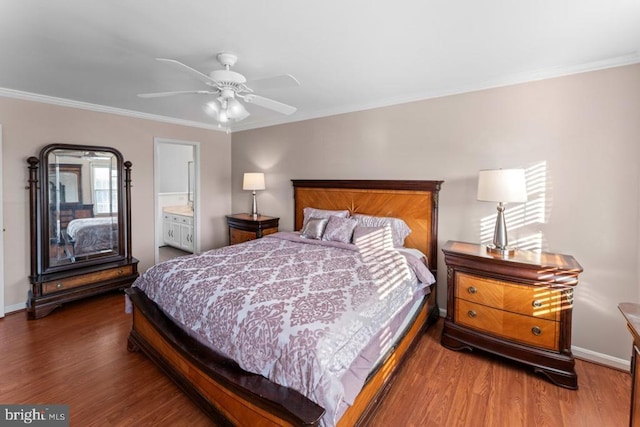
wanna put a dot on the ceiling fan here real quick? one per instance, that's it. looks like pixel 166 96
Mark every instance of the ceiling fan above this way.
pixel 229 86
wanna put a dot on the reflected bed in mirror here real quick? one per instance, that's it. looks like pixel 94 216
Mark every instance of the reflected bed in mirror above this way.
pixel 79 224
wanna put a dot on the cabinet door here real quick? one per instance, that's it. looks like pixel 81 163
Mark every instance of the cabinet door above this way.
pixel 186 237
pixel 171 233
pixel 166 232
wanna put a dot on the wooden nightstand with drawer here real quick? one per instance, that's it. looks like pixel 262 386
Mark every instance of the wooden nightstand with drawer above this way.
pixel 517 307
pixel 244 227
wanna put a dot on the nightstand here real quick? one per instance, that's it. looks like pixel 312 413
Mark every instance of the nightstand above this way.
pixel 517 307
pixel 244 227
pixel 631 313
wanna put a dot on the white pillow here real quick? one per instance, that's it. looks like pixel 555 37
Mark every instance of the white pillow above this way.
pixel 399 229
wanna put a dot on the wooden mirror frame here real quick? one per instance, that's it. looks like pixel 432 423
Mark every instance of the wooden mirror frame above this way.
pixel 82 276
pixel 45 218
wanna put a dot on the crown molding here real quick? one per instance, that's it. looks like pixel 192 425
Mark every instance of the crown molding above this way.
pixel 28 96
pixel 511 80
pixel 514 79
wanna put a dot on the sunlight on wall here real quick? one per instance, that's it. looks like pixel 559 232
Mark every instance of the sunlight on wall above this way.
pixel 524 219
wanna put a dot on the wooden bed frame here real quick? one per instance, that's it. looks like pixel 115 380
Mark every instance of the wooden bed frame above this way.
pixel 231 396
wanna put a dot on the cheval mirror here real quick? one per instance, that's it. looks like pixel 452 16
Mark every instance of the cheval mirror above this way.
pixel 80 225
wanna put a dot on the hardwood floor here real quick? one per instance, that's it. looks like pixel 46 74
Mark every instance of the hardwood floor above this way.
pixel 77 356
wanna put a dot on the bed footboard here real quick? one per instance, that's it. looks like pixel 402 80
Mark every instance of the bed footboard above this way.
pixel 225 392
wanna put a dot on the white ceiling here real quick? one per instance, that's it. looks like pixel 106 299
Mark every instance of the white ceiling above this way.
pixel 348 55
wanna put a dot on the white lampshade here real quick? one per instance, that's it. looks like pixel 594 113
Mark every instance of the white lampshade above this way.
pixel 502 185
pixel 253 181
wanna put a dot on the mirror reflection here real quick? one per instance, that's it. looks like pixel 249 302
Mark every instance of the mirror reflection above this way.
pixel 83 205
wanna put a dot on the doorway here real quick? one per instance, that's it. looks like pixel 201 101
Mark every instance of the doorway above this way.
pixel 177 193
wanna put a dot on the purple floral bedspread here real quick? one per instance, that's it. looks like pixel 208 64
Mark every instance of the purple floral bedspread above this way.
pixel 296 311
pixel 93 235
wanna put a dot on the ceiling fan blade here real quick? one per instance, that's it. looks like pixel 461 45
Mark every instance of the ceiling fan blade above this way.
pixel 195 73
pixel 275 82
pixel 176 92
pixel 270 104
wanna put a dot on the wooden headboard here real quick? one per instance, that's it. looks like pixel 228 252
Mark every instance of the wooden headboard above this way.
pixel 416 202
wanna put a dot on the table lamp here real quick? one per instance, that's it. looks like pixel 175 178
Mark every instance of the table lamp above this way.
pixel 502 186
pixel 253 181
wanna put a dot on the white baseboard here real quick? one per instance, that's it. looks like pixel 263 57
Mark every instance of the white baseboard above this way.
pixel 8 309
pixel 588 355
pixel 600 358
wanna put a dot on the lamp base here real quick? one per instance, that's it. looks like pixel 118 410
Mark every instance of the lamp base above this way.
pixel 254 207
pixel 505 252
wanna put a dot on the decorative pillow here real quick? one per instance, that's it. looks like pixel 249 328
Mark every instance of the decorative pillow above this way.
pixel 339 229
pixel 314 228
pixel 322 213
pixel 373 237
pixel 399 229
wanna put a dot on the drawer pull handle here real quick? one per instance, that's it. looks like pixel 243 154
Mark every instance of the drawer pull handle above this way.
pixel 536 331
pixel 121 271
pixel 59 285
pixel 536 303
pixel 472 290
pixel 471 313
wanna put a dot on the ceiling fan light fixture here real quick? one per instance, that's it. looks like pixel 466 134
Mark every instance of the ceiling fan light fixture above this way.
pixel 212 108
pixel 223 117
pixel 225 110
pixel 235 109
pixel 216 110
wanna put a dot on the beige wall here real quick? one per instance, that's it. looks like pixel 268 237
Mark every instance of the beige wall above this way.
pixel 583 129
pixel 28 126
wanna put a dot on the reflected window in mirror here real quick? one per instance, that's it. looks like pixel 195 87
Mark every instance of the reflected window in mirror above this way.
pixel 104 185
